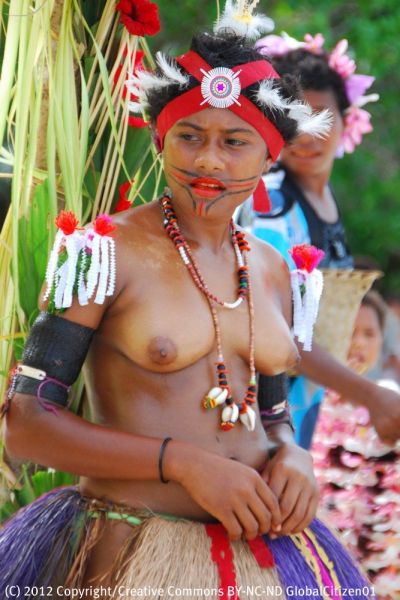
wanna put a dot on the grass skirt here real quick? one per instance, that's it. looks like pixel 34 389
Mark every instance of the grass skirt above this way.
pixel 48 544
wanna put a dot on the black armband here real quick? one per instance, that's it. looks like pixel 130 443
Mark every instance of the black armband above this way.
pixel 52 358
pixel 272 400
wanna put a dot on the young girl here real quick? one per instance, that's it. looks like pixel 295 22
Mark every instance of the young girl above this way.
pixel 304 210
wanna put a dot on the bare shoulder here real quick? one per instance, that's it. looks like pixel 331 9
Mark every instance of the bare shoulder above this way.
pixel 141 222
pixel 135 230
pixel 138 231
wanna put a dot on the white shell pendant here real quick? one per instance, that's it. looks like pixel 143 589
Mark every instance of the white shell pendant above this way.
pixel 248 418
pixel 229 416
pixel 215 397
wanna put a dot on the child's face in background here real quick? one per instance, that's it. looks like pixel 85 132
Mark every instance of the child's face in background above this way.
pixel 366 342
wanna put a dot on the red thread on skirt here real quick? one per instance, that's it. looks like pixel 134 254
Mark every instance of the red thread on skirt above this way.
pixel 222 555
pixel 261 553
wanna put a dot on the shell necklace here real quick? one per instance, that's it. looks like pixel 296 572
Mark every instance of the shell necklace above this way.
pixel 221 394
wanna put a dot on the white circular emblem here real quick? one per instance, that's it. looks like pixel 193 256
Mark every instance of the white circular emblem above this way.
pixel 220 87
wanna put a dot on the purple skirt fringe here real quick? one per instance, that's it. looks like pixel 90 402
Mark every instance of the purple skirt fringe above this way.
pixel 297 578
pixel 38 546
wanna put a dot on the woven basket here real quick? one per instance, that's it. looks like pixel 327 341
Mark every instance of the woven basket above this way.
pixel 340 301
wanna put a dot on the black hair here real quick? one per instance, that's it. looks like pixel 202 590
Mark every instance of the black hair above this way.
pixel 313 73
pixel 376 302
pixel 229 50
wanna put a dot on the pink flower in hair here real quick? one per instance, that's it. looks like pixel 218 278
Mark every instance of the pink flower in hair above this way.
pixel 357 121
pixel 277 45
pixel 272 45
pixel 340 62
pixel 314 43
pixel 356 86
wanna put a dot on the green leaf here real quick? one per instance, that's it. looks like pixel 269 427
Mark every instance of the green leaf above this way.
pixel 34 486
pixel 7 510
pixel 45 481
pixel 33 249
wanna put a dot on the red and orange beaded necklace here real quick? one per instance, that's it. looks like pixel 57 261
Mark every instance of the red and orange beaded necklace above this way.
pixel 222 393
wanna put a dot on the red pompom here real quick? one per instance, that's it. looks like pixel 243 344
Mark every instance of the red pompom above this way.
pixel 306 256
pixel 103 225
pixel 67 222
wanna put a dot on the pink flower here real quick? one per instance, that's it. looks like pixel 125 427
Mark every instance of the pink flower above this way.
pixel 272 45
pixel 306 256
pixel 351 461
pixel 340 62
pixel 123 202
pixel 356 123
pixel 103 225
pixel 314 43
pixel 67 222
pixel 140 17
pixel 356 86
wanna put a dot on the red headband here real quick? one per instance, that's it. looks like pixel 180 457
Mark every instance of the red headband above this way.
pixel 194 100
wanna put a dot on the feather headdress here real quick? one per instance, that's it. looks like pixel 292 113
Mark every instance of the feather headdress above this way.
pixel 317 124
pixel 144 81
pixel 170 69
pixel 238 17
pixel 221 87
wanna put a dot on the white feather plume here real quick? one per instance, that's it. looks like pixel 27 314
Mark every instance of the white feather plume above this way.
pixel 136 107
pixel 134 88
pixel 269 96
pixel 238 17
pixel 317 124
pixel 170 69
pixel 139 86
pixel 131 86
pixel 144 80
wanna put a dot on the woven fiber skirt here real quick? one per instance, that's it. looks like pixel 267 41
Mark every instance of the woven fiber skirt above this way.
pixel 46 546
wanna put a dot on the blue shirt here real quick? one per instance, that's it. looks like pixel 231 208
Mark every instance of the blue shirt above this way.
pixel 291 221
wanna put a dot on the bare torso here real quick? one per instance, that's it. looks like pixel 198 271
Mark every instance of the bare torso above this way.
pixel 152 359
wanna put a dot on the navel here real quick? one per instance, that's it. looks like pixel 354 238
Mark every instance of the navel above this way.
pixel 162 350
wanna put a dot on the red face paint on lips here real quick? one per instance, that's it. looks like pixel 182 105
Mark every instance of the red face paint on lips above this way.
pixel 207 187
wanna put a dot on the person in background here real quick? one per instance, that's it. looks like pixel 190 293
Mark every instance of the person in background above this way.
pixel 388 363
pixel 391 341
pixel 303 209
pixel 359 475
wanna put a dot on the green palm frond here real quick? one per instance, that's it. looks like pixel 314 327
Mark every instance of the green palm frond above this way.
pixel 64 134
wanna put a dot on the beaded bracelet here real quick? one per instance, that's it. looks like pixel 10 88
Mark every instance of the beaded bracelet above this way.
pixel 160 459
